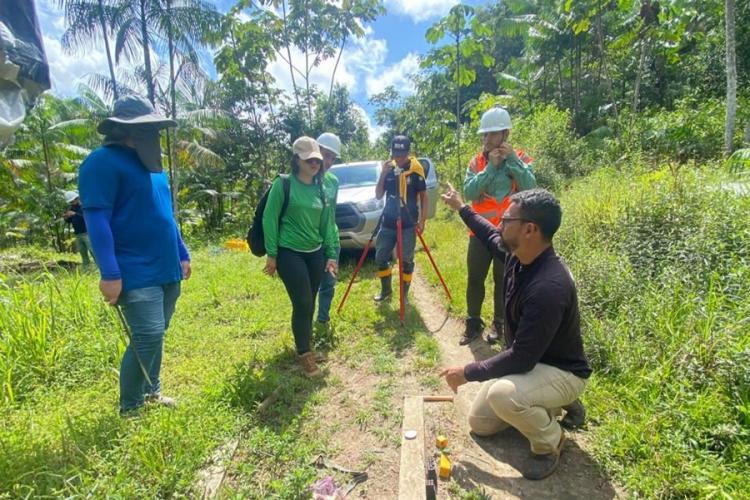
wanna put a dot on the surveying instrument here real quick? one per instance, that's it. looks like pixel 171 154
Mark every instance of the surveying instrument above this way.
pixel 399 248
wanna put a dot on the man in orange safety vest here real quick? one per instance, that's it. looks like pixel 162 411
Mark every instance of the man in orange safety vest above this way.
pixel 493 175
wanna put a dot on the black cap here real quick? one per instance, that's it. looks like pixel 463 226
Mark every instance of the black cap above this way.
pixel 400 145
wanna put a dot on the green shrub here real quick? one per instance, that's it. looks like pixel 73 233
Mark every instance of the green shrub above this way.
pixel 547 135
pixel 692 130
pixel 662 263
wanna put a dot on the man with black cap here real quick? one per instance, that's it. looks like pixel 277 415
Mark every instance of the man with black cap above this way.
pixel 402 181
pixel 137 245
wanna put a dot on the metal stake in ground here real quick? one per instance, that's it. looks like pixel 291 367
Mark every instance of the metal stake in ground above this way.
pixel 132 345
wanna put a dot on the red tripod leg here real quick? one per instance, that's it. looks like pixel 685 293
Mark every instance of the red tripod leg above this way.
pixel 400 251
pixel 354 275
pixel 434 265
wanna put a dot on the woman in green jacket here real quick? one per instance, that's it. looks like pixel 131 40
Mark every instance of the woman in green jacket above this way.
pixel 302 245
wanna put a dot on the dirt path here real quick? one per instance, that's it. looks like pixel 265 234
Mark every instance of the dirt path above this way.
pixel 489 464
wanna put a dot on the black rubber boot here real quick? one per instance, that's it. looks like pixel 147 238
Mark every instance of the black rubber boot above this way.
pixel 385 290
pixel 575 415
pixel 474 329
pixel 496 333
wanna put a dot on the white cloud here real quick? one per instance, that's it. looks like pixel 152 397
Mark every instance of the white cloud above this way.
pixel 373 131
pixel 363 58
pixel 420 10
pixel 397 75
pixel 319 75
pixel 68 70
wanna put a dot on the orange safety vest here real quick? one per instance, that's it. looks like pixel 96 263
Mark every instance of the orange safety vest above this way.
pixel 488 206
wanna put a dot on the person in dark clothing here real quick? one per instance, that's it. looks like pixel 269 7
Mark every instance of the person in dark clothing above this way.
pixel 543 369
pixel 402 182
pixel 74 216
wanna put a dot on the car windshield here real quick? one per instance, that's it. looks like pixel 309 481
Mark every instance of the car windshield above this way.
pixel 361 174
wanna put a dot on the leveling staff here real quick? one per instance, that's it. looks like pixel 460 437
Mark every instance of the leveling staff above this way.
pixel 402 181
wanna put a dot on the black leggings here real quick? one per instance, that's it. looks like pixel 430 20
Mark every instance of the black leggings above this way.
pixel 301 273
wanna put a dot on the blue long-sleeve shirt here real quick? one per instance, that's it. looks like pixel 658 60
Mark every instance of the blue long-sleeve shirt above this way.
pixel 128 211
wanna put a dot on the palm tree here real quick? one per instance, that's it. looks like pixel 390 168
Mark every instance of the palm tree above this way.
pixel 88 20
pixel 149 24
pixel 46 157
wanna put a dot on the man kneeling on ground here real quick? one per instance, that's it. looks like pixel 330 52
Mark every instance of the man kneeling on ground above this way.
pixel 544 369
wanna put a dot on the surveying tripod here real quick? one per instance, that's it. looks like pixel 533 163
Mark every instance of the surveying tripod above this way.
pixel 399 254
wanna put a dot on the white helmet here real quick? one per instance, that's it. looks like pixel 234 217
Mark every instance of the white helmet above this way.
pixel 494 120
pixel 70 196
pixel 331 142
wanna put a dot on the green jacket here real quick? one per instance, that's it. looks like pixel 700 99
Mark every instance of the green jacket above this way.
pixel 497 182
pixel 305 226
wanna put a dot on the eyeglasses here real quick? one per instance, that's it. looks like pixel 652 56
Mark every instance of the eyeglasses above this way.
pixel 511 219
pixel 313 160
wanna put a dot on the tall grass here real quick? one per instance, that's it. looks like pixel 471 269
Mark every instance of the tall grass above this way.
pixel 54 330
pixel 662 263
pixel 662 260
pixel 228 347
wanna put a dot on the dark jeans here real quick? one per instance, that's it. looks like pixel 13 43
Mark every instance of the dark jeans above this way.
pixel 301 273
pixel 478 260
pixel 387 241
pixel 147 312
pixel 325 296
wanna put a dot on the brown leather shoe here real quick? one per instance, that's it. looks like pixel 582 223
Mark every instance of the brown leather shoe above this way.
pixel 540 466
pixel 308 364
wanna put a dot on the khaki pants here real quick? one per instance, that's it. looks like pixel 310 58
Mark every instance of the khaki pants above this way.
pixel 527 401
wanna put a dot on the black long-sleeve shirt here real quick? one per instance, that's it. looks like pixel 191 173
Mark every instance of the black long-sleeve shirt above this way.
pixel 541 313
pixel 79 225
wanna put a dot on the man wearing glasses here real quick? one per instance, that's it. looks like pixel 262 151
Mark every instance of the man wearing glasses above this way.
pixel 543 369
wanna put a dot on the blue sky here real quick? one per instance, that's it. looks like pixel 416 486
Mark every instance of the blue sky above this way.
pixel 387 54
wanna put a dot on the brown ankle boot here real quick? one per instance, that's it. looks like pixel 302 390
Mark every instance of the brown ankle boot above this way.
pixel 308 364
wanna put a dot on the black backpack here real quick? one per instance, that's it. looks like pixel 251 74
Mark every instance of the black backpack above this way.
pixel 255 238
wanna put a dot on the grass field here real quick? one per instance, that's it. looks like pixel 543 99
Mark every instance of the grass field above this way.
pixel 662 261
pixel 229 347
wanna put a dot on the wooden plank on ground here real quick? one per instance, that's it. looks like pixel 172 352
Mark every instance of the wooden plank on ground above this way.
pixel 411 479
pixel 210 478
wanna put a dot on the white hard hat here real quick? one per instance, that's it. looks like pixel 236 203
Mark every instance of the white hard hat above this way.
pixel 331 142
pixel 70 196
pixel 494 120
